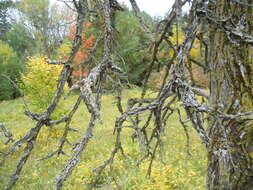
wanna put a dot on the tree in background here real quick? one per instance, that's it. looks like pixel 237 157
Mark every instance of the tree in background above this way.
pixel 132 46
pixel 14 44
pixel 21 40
pixel 4 22
pixel 39 28
pixel 48 23
pixel 10 68
pixel 80 69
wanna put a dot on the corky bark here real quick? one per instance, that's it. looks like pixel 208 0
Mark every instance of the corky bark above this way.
pixel 230 165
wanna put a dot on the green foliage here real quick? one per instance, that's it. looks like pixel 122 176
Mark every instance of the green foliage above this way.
pixel 47 23
pixel 36 15
pixel 19 38
pixel 6 52
pixel 35 10
pixel 132 43
pixel 63 51
pixel 10 67
pixel 4 22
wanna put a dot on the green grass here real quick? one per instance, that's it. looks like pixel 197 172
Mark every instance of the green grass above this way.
pixel 180 170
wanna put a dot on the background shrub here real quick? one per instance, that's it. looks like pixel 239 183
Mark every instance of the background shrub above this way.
pixel 10 68
pixel 39 83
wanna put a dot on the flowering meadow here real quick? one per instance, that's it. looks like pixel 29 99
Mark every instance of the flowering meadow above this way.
pixel 177 170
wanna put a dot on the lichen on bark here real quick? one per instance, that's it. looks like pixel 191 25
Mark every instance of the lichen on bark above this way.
pixel 229 162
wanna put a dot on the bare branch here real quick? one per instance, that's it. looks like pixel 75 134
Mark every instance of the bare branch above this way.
pixel 6 133
pixel 141 20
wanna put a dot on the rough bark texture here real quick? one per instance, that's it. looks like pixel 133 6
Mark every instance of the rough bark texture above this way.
pixel 229 162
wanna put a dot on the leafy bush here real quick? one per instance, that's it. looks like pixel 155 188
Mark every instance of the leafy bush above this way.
pixel 39 82
pixel 10 67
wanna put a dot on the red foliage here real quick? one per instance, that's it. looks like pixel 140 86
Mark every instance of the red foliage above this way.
pixel 72 31
pixel 82 53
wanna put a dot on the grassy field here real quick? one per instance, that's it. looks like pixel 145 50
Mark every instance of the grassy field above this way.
pixel 180 170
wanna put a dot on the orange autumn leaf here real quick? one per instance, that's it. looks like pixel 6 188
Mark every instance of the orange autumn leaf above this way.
pixel 87 24
pixel 44 173
pixel 88 42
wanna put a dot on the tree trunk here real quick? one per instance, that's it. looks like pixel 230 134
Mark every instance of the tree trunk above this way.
pixel 230 165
